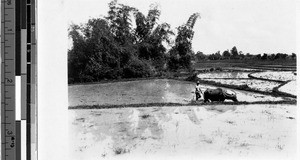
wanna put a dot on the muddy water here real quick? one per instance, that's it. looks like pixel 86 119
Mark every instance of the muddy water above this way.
pixel 260 85
pixel 276 75
pixel 290 87
pixel 145 91
pixel 241 69
pixel 224 75
pixel 187 132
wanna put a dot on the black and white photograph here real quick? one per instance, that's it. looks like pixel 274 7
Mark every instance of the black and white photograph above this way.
pixel 181 79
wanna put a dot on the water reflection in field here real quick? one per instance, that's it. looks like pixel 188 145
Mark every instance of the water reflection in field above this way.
pixel 145 91
pixel 160 131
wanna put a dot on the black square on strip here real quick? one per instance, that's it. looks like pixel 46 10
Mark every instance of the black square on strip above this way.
pixel 29 24
pixel 28 73
pixel 28 53
pixel 18 39
pixel 28 99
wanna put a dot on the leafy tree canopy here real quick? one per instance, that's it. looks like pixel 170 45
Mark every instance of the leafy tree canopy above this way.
pixel 112 47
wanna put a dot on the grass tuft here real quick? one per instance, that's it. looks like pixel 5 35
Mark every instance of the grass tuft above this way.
pixel 145 116
pixel 120 150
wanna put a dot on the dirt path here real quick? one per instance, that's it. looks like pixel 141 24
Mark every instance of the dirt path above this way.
pixel 208 132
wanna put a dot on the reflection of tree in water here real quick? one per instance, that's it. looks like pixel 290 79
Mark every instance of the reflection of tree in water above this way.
pixel 94 127
pixel 129 127
pixel 89 128
pixel 148 121
pixel 190 112
pixel 134 125
pixel 122 131
pixel 163 114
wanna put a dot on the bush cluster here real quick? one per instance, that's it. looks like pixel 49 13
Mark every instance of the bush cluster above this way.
pixel 111 48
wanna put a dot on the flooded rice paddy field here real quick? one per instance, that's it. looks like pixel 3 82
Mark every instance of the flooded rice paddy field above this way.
pixel 290 87
pixel 273 67
pixel 215 131
pixel 240 78
pixel 276 75
pixel 146 91
pixel 256 84
pixel 189 132
pixel 241 69
pixel 223 75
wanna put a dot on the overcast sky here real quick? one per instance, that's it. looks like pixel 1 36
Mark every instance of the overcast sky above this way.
pixel 254 26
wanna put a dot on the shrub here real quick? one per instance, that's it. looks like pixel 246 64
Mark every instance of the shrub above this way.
pixel 193 77
pixel 219 69
pixel 137 69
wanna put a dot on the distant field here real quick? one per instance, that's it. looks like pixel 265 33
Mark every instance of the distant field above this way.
pixel 288 65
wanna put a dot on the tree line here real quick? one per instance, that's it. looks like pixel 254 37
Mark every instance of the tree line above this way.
pixel 113 47
pixel 234 54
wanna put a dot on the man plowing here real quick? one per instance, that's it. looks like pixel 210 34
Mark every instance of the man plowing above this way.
pixel 198 91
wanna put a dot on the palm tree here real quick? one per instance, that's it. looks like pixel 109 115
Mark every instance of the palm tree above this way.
pixel 181 53
pixel 150 36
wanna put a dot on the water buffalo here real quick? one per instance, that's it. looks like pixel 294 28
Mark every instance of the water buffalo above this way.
pixel 218 94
